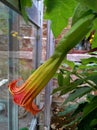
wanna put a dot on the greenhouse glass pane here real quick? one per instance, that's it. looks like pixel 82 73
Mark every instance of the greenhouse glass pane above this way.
pixel 17 59
pixel 20 54
pixel 3 67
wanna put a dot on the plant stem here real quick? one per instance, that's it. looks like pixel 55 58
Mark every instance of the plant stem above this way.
pixel 87 81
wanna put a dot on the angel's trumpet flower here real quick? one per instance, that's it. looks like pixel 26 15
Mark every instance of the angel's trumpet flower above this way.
pixel 25 94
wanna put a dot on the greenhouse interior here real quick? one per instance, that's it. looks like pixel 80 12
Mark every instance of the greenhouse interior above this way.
pixel 49 53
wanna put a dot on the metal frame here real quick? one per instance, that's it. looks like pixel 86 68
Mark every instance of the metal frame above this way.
pixel 34 122
pixel 13 4
pixel 48 89
pixel 33 12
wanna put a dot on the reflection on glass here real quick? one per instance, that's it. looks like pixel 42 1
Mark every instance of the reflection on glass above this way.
pixel 17 59
pixel 3 67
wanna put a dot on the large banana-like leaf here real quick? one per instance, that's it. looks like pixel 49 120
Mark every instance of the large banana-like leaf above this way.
pixel 59 11
pixel 80 11
pixel 90 3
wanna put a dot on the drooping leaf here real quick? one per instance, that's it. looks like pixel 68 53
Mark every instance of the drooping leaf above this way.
pixel 59 11
pixel 66 80
pixel 92 4
pixel 68 109
pixel 78 93
pixel 81 10
pixel 60 79
pixel 71 86
pixel 63 83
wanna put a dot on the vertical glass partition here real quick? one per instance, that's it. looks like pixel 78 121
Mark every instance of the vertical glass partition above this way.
pixel 13 45
pixel 18 51
pixel 8 67
pixel 3 67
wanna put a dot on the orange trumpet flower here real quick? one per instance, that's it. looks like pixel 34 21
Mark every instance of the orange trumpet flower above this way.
pixel 25 94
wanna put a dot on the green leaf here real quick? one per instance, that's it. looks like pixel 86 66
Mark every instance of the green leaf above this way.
pixel 78 93
pixel 92 4
pixel 63 83
pixel 59 11
pixel 86 122
pixel 79 109
pixel 25 4
pixel 84 125
pixel 80 11
pixel 88 66
pixel 68 109
pixel 90 107
pixel 23 128
pixel 89 60
pixel 89 97
pixel 28 3
pixel 60 79
pixel 93 122
pixel 71 86
pixel 93 77
pixel 56 90
pixel 70 64
pixel 66 79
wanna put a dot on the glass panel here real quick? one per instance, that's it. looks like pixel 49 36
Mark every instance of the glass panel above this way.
pixel 3 67
pixel 17 59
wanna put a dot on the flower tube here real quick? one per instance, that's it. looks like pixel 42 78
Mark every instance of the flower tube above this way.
pixel 26 93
